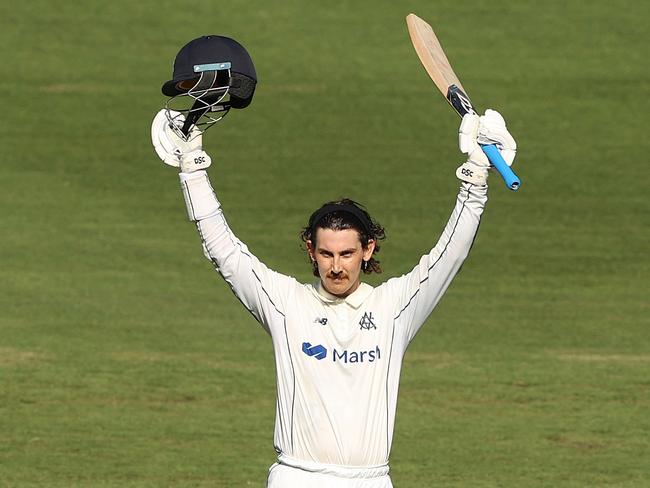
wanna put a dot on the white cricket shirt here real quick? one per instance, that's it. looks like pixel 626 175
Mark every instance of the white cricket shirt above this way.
pixel 338 361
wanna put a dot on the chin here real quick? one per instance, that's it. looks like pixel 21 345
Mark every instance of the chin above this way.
pixel 339 289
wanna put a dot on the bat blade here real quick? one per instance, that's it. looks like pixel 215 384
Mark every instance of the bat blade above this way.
pixel 435 62
pixel 431 54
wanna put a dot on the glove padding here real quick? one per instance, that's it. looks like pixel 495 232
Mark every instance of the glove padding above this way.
pixel 486 129
pixel 188 155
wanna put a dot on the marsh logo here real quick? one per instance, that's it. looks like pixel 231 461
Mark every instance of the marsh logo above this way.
pixel 346 357
pixel 352 357
pixel 319 351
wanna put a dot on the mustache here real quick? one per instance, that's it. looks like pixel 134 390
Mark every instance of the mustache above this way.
pixel 340 274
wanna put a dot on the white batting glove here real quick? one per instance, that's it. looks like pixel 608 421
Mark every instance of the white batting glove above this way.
pixel 188 155
pixel 485 129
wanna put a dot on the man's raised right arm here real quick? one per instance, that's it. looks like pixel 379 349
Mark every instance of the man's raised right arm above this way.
pixel 262 291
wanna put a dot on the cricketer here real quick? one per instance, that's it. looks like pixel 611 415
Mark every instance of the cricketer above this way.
pixel 338 342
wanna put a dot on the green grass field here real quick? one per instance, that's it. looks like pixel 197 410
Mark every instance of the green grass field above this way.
pixel 126 362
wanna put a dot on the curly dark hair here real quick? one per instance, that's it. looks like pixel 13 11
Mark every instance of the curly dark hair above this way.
pixel 346 218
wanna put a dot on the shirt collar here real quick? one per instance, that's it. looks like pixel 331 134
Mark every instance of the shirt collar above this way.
pixel 354 299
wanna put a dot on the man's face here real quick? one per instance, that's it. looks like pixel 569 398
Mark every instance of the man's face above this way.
pixel 339 255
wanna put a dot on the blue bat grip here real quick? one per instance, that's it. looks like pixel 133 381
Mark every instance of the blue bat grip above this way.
pixel 512 180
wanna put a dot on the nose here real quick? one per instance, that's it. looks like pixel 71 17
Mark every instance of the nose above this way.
pixel 336 265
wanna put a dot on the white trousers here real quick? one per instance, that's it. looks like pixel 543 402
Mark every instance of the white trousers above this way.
pixel 282 476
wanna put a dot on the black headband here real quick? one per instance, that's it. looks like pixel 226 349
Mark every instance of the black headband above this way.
pixel 342 207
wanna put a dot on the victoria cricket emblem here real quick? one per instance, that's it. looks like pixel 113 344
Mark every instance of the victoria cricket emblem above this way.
pixel 367 321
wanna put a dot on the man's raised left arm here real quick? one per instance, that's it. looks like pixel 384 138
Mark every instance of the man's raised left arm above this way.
pixel 420 290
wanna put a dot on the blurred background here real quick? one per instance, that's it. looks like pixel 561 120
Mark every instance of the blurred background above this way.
pixel 126 361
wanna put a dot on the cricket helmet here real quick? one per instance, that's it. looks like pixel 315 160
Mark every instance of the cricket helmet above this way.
pixel 217 53
pixel 217 74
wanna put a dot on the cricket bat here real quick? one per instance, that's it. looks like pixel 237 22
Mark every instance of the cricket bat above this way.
pixel 435 62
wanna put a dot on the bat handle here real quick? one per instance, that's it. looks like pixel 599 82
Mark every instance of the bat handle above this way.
pixel 511 179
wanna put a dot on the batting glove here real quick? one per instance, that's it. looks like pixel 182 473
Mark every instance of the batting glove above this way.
pixel 174 150
pixel 486 129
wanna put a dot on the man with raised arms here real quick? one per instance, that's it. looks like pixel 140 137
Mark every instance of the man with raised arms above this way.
pixel 338 342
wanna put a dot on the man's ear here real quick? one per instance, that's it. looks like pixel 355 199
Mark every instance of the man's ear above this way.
pixel 310 249
pixel 369 249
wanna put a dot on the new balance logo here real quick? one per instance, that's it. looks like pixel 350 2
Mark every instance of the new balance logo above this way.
pixel 319 351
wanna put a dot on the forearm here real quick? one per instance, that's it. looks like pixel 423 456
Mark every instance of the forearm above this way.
pixel 442 263
pixel 459 232
pixel 204 209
